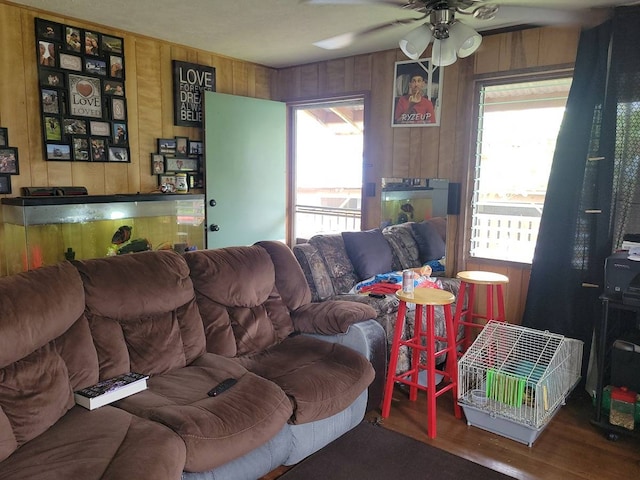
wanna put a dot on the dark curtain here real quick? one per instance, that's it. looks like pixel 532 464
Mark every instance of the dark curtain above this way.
pixel 593 182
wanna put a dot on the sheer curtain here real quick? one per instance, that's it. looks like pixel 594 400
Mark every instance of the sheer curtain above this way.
pixel 592 195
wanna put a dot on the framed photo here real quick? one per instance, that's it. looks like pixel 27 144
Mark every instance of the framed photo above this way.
pixel 80 149
pixel 5 183
pixel 49 30
pixel 100 129
pixel 51 78
pixel 182 145
pixel 72 39
pixel 111 45
pixel 52 128
pixel 98 149
pixel 74 126
pixel 167 179
pixel 167 145
pixel 116 66
pixel 85 96
pixel 47 54
pixel 195 148
pixel 71 62
pixel 50 101
pixel 157 164
pixel 4 137
pixel 119 134
pixel 95 66
pixel 91 43
pixel 58 151
pixel 113 88
pixel 417 93
pixel 180 164
pixel 9 161
pixel 118 108
pixel 118 154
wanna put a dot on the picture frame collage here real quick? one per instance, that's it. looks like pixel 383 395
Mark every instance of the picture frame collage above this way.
pixel 81 75
pixel 177 155
pixel 9 164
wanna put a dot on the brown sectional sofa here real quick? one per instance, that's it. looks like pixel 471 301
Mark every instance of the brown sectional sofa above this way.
pixel 188 322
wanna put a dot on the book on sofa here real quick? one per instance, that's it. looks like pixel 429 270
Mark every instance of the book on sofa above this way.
pixel 111 390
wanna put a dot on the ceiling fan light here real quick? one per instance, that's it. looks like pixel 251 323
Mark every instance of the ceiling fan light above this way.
pixel 416 41
pixel 443 53
pixel 465 38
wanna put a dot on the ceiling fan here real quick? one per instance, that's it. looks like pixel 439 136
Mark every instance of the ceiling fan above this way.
pixel 441 21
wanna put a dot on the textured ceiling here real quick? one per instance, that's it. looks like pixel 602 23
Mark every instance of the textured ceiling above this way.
pixel 274 33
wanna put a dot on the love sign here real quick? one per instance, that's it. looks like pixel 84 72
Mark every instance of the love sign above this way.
pixel 189 81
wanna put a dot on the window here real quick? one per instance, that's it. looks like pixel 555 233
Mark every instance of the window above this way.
pixel 327 164
pixel 518 124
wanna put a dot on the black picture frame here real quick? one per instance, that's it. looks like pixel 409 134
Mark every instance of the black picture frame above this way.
pixel 81 76
pixel 195 147
pixel 5 184
pixel 9 163
pixel 182 146
pixel 58 152
pixel 180 164
pixel 190 81
pixel 118 153
pixel 157 164
pixel 4 137
pixel 167 146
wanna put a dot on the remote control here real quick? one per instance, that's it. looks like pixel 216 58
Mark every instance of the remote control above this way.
pixel 222 386
pixel 377 295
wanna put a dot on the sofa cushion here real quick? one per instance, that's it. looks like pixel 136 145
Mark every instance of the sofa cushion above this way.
pixel 38 369
pixel 320 378
pixel 215 429
pixel 430 243
pixel 330 317
pixel 238 299
pixel 142 312
pixel 403 245
pixel 315 271
pixel 103 444
pixel 369 252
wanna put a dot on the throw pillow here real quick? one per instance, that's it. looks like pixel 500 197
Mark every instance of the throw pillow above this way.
pixel 431 246
pixel 369 252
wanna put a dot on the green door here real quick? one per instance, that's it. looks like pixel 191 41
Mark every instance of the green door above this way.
pixel 245 169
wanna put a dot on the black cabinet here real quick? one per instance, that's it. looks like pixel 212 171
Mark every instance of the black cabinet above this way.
pixel 616 318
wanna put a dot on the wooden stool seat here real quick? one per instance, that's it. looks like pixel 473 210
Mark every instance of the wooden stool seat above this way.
pixel 424 341
pixel 494 283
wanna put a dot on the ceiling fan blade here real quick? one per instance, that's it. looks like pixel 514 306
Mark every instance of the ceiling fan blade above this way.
pixel 551 16
pixel 346 39
pixel 397 3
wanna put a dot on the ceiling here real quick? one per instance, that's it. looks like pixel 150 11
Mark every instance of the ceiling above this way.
pixel 274 33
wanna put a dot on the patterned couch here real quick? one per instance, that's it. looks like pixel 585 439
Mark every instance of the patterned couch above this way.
pixel 331 274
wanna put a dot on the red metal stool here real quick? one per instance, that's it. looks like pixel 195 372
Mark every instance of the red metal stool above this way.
pixel 429 297
pixel 494 283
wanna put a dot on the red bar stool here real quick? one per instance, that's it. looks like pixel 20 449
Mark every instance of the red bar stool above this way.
pixel 494 283
pixel 424 342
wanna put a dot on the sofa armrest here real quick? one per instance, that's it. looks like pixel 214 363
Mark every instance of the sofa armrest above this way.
pixel 330 317
pixel 369 339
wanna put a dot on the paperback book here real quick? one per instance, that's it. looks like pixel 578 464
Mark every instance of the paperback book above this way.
pixel 111 390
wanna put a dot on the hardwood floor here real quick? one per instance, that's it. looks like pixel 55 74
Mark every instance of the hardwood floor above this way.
pixel 569 448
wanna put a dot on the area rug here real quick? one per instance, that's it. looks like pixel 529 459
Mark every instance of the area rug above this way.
pixel 372 452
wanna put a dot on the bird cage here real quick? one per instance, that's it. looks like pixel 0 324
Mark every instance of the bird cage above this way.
pixel 513 379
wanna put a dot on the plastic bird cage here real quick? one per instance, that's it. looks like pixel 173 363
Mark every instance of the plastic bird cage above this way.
pixel 513 379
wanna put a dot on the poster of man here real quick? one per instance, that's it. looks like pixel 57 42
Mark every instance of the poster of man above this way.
pixel 416 94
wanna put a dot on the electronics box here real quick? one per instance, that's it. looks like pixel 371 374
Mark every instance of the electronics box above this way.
pixel 625 362
pixel 622 278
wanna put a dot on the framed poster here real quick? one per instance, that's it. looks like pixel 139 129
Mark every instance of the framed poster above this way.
pixel 417 93
pixel 189 82
pixel 83 107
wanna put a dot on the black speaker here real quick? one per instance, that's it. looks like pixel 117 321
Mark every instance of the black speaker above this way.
pixel 453 199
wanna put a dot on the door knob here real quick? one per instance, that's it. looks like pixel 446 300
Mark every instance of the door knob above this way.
pixel 212 203
pixel 214 227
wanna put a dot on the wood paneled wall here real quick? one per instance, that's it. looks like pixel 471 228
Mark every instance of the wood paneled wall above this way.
pixel 149 93
pixel 429 152
pixel 434 152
